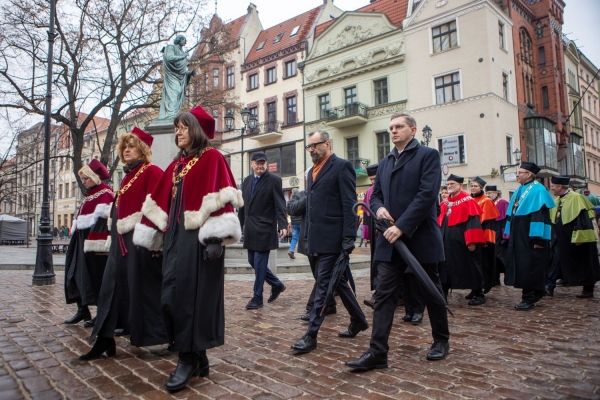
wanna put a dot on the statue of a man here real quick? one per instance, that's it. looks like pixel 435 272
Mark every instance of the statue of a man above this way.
pixel 176 78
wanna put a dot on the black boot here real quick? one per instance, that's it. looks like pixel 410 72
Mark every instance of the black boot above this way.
pixel 187 365
pixel 203 366
pixel 103 344
pixel 83 314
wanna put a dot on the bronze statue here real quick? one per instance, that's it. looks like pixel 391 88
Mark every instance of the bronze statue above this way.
pixel 176 78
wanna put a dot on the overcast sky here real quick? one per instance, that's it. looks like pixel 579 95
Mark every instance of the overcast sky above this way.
pixel 582 24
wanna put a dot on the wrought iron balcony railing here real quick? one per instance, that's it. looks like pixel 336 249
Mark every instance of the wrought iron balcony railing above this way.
pixel 349 110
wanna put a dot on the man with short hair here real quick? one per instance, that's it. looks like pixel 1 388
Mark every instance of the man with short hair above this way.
pixel 528 227
pixel 405 194
pixel 264 209
pixel 575 236
pixel 331 230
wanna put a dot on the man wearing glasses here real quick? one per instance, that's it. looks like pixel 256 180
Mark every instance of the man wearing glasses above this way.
pixel 331 229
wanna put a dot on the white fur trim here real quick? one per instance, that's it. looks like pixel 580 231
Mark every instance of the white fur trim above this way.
pixel 109 223
pixel 155 213
pixel 108 243
pixel 147 237
pixel 226 227
pixel 88 220
pixel 98 246
pixel 73 228
pixel 210 203
pixel 127 224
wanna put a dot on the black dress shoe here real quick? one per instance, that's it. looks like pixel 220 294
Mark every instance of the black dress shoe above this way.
pixel 354 329
pixel 254 304
pixel 305 345
pixel 368 361
pixel 470 295
pixel 438 351
pixel 524 306
pixel 203 366
pixel 417 318
pixel 102 345
pixel 275 292
pixel 187 365
pixel 369 303
pixel 90 323
pixel 477 300
pixel 585 295
pixel 407 318
pixel 305 317
pixel 121 332
pixel 331 310
pixel 549 291
pixel 82 314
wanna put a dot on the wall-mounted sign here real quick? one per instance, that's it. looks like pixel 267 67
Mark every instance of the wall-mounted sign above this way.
pixel 510 177
pixel 294 181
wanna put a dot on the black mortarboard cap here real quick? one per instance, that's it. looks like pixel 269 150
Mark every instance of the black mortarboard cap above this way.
pixel 372 170
pixel 491 188
pixel 560 180
pixel 480 181
pixel 531 167
pixel 456 178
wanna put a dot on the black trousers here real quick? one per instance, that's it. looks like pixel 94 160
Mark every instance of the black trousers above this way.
pixel 312 260
pixel 413 299
pixel 390 276
pixel 325 263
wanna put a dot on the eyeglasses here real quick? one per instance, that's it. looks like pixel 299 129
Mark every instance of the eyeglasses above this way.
pixel 312 146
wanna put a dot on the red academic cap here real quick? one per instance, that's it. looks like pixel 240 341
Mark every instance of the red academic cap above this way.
pixel 143 136
pixel 206 121
pixel 99 169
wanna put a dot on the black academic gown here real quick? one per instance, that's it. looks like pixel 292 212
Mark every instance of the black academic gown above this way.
pixel 488 259
pixel 193 305
pixel 501 246
pixel 462 268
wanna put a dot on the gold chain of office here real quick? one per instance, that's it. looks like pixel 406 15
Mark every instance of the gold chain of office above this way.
pixel 96 195
pixel 128 185
pixel 179 177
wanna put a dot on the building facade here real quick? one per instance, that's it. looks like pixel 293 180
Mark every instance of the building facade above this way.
pixel 589 90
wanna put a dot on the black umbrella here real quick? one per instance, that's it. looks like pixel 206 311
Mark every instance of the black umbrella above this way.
pixel 339 268
pixel 382 225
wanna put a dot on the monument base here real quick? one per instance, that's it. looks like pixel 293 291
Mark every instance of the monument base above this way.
pixel 163 147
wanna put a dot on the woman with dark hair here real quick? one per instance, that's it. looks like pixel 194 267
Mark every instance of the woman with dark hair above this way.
pixel 84 264
pixel 190 215
pixel 130 294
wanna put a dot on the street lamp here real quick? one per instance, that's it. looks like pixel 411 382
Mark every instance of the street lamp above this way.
pixel 249 120
pixel 517 154
pixel 426 135
pixel 44 267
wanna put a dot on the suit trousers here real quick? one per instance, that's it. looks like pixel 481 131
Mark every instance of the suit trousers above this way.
pixel 312 260
pixel 259 260
pixel 390 276
pixel 325 263
pixel 413 299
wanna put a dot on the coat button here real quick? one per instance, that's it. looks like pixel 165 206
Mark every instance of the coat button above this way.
pixel 312 191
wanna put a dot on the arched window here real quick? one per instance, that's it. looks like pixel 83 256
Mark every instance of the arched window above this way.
pixel 526 57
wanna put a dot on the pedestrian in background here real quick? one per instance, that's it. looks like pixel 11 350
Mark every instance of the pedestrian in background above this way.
pixel 296 222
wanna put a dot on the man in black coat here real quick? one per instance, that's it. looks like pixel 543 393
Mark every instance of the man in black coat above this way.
pixel 331 229
pixel 263 210
pixel 406 189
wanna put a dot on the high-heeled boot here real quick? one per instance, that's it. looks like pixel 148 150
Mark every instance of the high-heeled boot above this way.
pixel 82 314
pixel 103 344
pixel 203 366
pixel 187 365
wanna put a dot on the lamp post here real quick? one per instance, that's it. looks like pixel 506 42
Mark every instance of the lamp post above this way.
pixel 249 120
pixel 426 135
pixel 517 154
pixel 44 267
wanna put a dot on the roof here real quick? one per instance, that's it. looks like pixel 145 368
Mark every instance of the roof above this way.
pixel 305 21
pixel 394 9
pixel 232 26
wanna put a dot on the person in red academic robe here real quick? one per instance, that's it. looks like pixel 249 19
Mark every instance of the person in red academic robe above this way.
pixel 463 237
pixel 190 216
pixel 488 223
pixel 131 286
pixel 85 260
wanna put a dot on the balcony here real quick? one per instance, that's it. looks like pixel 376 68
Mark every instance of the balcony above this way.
pixel 540 140
pixel 360 167
pixel 350 114
pixel 266 130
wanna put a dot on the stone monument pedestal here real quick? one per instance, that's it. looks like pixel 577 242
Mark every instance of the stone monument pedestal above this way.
pixel 163 147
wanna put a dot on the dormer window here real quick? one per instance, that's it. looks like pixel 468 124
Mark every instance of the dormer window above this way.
pixel 261 45
pixel 277 38
pixel 295 31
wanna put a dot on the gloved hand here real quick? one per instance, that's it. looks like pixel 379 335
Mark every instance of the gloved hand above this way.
pixel 348 244
pixel 213 250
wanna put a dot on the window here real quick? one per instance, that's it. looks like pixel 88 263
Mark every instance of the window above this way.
pixel 545 100
pixel 505 86
pixel 295 31
pixel 215 78
pixel 444 37
pixel 271 117
pixel 230 77
pixel 74 188
pixel 501 35
pixel 281 160
pixel 381 91
pixel 215 115
pixel 352 147
pixel 290 68
pixel 67 190
pixel 253 82
pixel 291 110
pixel 277 38
pixel 383 144
pixel 452 150
pixel 271 75
pixel 206 82
pixel 254 111
pixel 324 106
pixel 350 95
pixel 586 135
pixel 447 88
pixel 542 56
pixel 261 45
pixel 509 150
pixel 60 191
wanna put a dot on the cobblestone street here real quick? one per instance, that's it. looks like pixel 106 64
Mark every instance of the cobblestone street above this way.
pixel 550 352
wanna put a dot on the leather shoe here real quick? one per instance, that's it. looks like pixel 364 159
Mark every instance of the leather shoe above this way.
pixel 331 310
pixel 369 303
pixel 524 306
pixel 438 351
pixel 254 304
pixel 102 345
pixel 187 366
pixel 585 295
pixel 121 332
pixel 549 291
pixel 203 365
pixel 477 300
pixel 275 292
pixel 305 345
pixel 470 295
pixel 90 323
pixel 82 314
pixel 368 361
pixel 305 317
pixel 291 254
pixel 407 318
pixel 354 329
pixel 417 318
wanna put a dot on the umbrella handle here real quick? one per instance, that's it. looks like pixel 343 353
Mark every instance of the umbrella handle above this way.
pixel 363 205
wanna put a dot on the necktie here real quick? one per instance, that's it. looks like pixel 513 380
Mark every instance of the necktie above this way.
pixel 254 183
